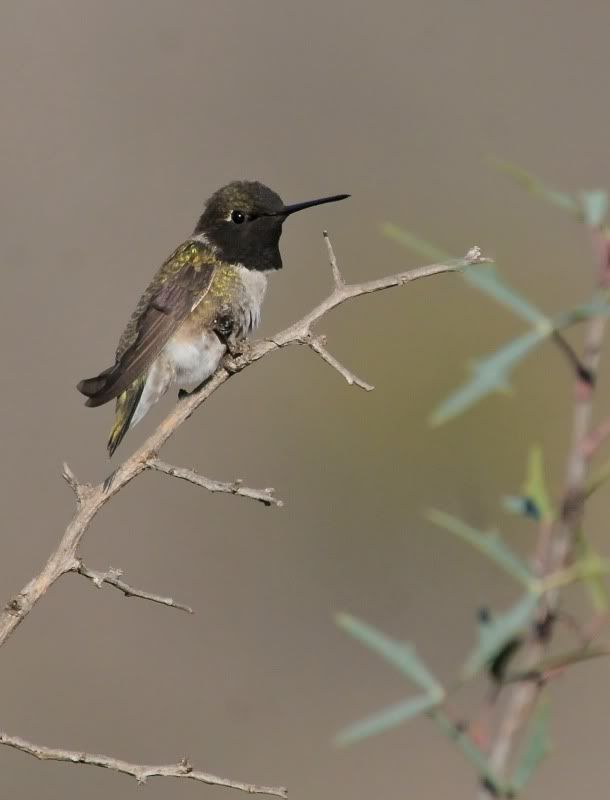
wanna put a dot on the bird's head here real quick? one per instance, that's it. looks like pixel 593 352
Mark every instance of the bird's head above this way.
pixel 243 221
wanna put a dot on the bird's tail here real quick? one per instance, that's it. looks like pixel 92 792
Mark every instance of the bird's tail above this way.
pixel 126 404
pixel 96 389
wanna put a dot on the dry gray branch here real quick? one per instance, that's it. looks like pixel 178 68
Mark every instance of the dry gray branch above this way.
pixel 91 499
pixel 141 772
pixel 337 277
pixel 264 496
pixel 112 577
pixel 317 345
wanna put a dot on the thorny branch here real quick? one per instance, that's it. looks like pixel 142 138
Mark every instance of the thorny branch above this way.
pixel 556 542
pixel 264 496
pixel 112 577
pixel 91 499
pixel 141 772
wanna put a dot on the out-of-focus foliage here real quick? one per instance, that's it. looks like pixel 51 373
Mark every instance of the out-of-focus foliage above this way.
pixel 501 634
pixel 537 746
pixel 534 501
pixel 492 373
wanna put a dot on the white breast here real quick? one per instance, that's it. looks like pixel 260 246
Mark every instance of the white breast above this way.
pixel 193 362
pixel 255 285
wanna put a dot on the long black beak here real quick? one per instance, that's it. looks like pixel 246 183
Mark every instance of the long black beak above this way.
pixel 309 203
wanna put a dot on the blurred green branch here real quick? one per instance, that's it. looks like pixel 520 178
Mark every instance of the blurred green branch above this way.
pixel 562 556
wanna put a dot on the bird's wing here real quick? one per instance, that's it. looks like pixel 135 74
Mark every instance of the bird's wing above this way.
pixel 179 286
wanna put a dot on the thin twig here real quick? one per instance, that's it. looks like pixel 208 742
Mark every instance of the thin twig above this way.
pixel 64 559
pixel 81 490
pixel 317 345
pixel 141 772
pixel 112 577
pixel 594 440
pixel 264 496
pixel 337 277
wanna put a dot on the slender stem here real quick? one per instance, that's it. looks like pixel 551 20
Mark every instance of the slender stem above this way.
pixel 555 545
pixel 141 772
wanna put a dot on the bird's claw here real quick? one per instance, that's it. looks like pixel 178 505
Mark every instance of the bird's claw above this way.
pixel 236 348
pixel 237 353
pixel 229 363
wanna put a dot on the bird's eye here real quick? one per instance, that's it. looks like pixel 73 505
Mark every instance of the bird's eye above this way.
pixel 238 217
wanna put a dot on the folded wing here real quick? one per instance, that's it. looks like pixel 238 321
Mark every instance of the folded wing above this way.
pixel 177 288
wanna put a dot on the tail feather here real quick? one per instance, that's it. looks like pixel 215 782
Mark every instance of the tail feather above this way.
pixel 95 388
pixel 126 404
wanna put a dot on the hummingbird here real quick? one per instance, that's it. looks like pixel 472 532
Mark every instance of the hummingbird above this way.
pixel 202 302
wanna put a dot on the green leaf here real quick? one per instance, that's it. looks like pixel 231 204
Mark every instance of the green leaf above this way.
pixel 598 479
pixel 494 634
pixel 597 306
pixel 490 375
pixel 386 719
pixel 589 207
pixel 487 280
pixel 594 583
pixel 483 277
pixel 590 565
pixel 400 654
pixel 412 242
pixel 535 485
pixel 537 746
pixel 534 186
pixel 594 205
pixel 490 544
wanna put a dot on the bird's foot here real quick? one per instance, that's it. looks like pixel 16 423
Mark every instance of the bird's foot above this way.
pixel 237 348
pixel 229 363
pixel 237 353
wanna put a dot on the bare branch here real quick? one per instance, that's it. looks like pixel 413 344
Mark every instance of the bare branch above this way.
pixel 91 499
pixel 81 490
pixel 317 345
pixel 112 577
pixel 141 772
pixel 264 496
pixel 594 440
pixel 64 558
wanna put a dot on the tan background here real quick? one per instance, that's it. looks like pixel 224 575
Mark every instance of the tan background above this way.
pixel 117 120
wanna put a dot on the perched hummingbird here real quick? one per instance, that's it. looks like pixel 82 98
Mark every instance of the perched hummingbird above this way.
pixel 205 297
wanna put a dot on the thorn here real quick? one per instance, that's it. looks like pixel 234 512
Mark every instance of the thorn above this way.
pixel 185 766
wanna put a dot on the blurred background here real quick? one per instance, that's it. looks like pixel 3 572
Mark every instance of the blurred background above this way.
pixel 118 120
